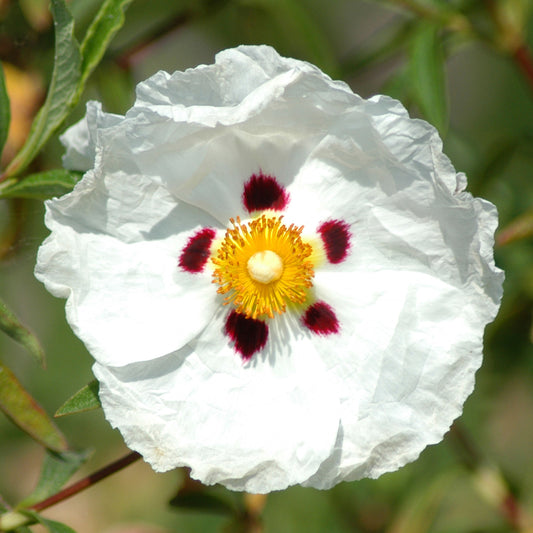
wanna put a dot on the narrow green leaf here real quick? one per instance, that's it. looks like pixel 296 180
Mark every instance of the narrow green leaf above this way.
pixel 72 67
pixel 51 525
pixel 5 113
pixel 27 414
pixel 11 325
pixel 57 469
pixel 86 399
pixel 41 186
pixel 61 93
pixel 107 22
pixel 427 69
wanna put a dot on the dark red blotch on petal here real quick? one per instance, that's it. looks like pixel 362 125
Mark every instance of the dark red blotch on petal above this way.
pixel 248 334
pixel 336 237
pixel 321 319
pixel 196 253
pixel 264 192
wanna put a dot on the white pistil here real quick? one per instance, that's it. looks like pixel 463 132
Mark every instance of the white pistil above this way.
pixel 265 266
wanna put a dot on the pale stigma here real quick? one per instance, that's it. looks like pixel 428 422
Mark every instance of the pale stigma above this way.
pixel 265 266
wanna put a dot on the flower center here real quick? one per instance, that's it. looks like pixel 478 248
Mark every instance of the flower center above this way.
pixel 263 265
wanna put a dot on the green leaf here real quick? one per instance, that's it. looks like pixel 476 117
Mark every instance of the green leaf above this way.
pixel 51 525
pixel 5 113
pixel 41 186
pixel 29 416
pixel 11 325
pixel 72 67
pixel 86 399
pixel 107 22
pixel 57 470
pixel 61 93
pixel 427 70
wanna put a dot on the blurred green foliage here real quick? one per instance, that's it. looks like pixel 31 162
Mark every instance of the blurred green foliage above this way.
pixel 461 64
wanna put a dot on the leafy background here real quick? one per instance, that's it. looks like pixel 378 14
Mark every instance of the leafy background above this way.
pixel 453 62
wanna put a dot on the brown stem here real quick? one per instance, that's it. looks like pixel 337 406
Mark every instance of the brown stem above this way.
pixel 86 482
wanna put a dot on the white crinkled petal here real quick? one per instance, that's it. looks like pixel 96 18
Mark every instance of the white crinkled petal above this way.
pixel 412 297
pixel 256 427
pixel 243 75
pixel 202 147
pixel 415 343
pixel 80 139
pixel 412 304
pixel 127 298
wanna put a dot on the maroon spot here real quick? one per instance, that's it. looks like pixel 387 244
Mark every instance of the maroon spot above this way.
pixel 264 192
pixel 197 251
pixel 248 334
pixel 321 319
pixel 336 237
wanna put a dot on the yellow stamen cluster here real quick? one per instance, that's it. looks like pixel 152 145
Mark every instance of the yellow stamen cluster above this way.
pixel 262 266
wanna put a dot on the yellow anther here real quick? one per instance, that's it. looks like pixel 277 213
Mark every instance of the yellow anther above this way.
pixel 263 265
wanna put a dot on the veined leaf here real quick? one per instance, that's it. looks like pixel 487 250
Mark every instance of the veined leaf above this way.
pixel 27 414
pixel 72 67
pixel 57 470
pixel 11 325
pixel 63 87
pixel 427 70
pixel 5 113
pixel 41 186
pixel 107 22
pixel 86 399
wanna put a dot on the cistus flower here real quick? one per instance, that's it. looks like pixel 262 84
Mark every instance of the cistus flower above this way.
pixel 280 281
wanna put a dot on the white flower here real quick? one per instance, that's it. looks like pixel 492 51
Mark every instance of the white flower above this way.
pixel 357 274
